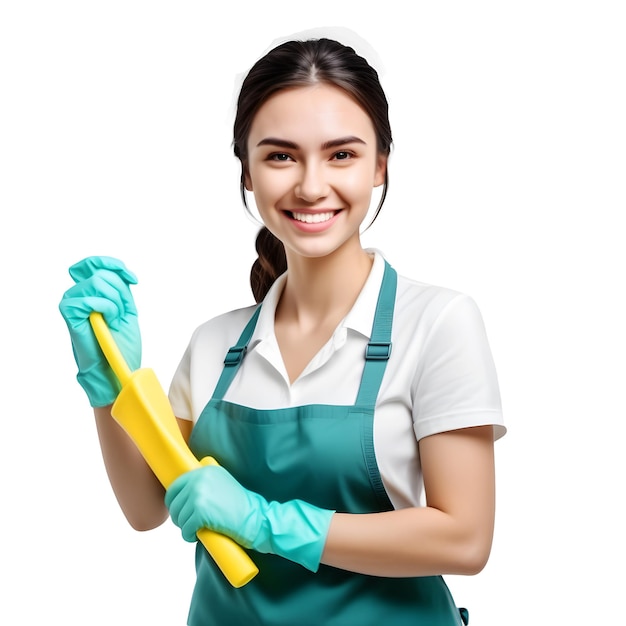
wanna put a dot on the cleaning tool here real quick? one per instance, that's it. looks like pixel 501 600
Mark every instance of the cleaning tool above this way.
pixel 143 410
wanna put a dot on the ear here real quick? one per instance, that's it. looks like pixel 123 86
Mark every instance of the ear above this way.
pixel 245 174
pixel 381 170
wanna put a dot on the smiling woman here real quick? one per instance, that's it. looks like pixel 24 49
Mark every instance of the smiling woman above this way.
pixel 353 411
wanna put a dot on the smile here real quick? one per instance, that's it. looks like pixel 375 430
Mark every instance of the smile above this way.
pixel 312 218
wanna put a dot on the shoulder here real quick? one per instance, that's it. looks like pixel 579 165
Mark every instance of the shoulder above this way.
pixel 423 305
pixel 222 331
pixel 434 326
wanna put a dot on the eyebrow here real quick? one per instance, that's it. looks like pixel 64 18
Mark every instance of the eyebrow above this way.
pixel 332 143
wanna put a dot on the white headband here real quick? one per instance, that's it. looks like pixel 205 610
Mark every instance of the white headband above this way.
pixel 338 33
pixel 341 34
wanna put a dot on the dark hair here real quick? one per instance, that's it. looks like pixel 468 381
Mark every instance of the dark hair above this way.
pixel 299 64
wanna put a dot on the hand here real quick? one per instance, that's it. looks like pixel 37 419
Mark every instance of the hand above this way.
pixel 103 285
pixel 209 497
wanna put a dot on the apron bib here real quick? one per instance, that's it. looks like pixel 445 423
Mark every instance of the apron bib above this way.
pixel 323 454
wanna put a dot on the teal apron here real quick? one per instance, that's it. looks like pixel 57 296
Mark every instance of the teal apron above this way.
pixel 325 455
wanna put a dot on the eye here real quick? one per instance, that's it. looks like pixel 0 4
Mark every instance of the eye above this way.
pixel 342 155
pixel 279 156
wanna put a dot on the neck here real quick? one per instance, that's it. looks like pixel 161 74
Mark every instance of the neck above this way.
pixel 321 288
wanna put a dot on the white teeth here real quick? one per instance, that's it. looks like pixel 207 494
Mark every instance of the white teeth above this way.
pixel 313 218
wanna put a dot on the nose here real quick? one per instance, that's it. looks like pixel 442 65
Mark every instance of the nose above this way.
pixel 312 184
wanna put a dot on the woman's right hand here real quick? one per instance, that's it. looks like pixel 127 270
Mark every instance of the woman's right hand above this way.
pixel 103 285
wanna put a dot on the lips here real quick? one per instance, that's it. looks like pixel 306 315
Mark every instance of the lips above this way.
pixel 308 221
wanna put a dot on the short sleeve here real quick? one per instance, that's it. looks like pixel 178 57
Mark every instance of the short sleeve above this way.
pixel 456 384
pixel 180 388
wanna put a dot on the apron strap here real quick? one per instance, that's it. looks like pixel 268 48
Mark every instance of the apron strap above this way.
pixel 376 354
pixel 378 349
pixel 234 356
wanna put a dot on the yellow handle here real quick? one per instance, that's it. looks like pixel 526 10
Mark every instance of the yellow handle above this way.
pixel 143 410
pixel 110 349
pixel 232 560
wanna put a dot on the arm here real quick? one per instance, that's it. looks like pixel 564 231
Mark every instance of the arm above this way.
pixel 138 492
pixel 453 532
pixel 103 284
pixel 451 535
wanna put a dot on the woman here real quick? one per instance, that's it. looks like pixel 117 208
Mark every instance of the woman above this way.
pixel 334 407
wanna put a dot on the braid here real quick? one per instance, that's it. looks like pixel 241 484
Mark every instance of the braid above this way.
pixel 271 263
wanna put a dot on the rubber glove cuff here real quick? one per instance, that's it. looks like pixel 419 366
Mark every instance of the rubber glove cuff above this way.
pixel 295 530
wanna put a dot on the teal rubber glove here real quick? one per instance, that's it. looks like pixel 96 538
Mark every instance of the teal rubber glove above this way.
pixel 103 285
pixel 209 497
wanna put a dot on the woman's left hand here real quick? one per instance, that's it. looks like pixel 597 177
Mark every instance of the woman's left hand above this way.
pixel 210 497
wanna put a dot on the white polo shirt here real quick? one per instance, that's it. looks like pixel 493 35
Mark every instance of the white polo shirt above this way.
pixel 440 375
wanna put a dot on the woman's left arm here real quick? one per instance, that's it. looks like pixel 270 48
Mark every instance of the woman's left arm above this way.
pixel 452 534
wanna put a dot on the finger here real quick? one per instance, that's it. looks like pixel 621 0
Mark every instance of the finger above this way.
pixel 87 267
pixel 172 502
pixel 76 311
pixel 189 531
pixel 184 516
pixel 105 280
pixel 174 510
pixel 104 285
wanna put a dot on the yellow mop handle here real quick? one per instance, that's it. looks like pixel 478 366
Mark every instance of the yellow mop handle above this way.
pixel 143 410
pixel 110 349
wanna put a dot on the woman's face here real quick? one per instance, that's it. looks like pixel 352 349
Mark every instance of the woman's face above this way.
pixel 312 165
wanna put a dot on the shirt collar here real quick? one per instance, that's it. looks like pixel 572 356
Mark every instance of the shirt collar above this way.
pixel 265 324
pixel 360 318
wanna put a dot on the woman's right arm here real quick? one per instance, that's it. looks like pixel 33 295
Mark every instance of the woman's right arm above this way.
pixel 138 491
pixel 103 284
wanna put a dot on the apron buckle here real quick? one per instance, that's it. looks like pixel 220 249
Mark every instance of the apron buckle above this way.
pixel 378 351
pixel 234 355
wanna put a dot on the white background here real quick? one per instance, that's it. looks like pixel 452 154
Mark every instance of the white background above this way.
pixel 507 182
